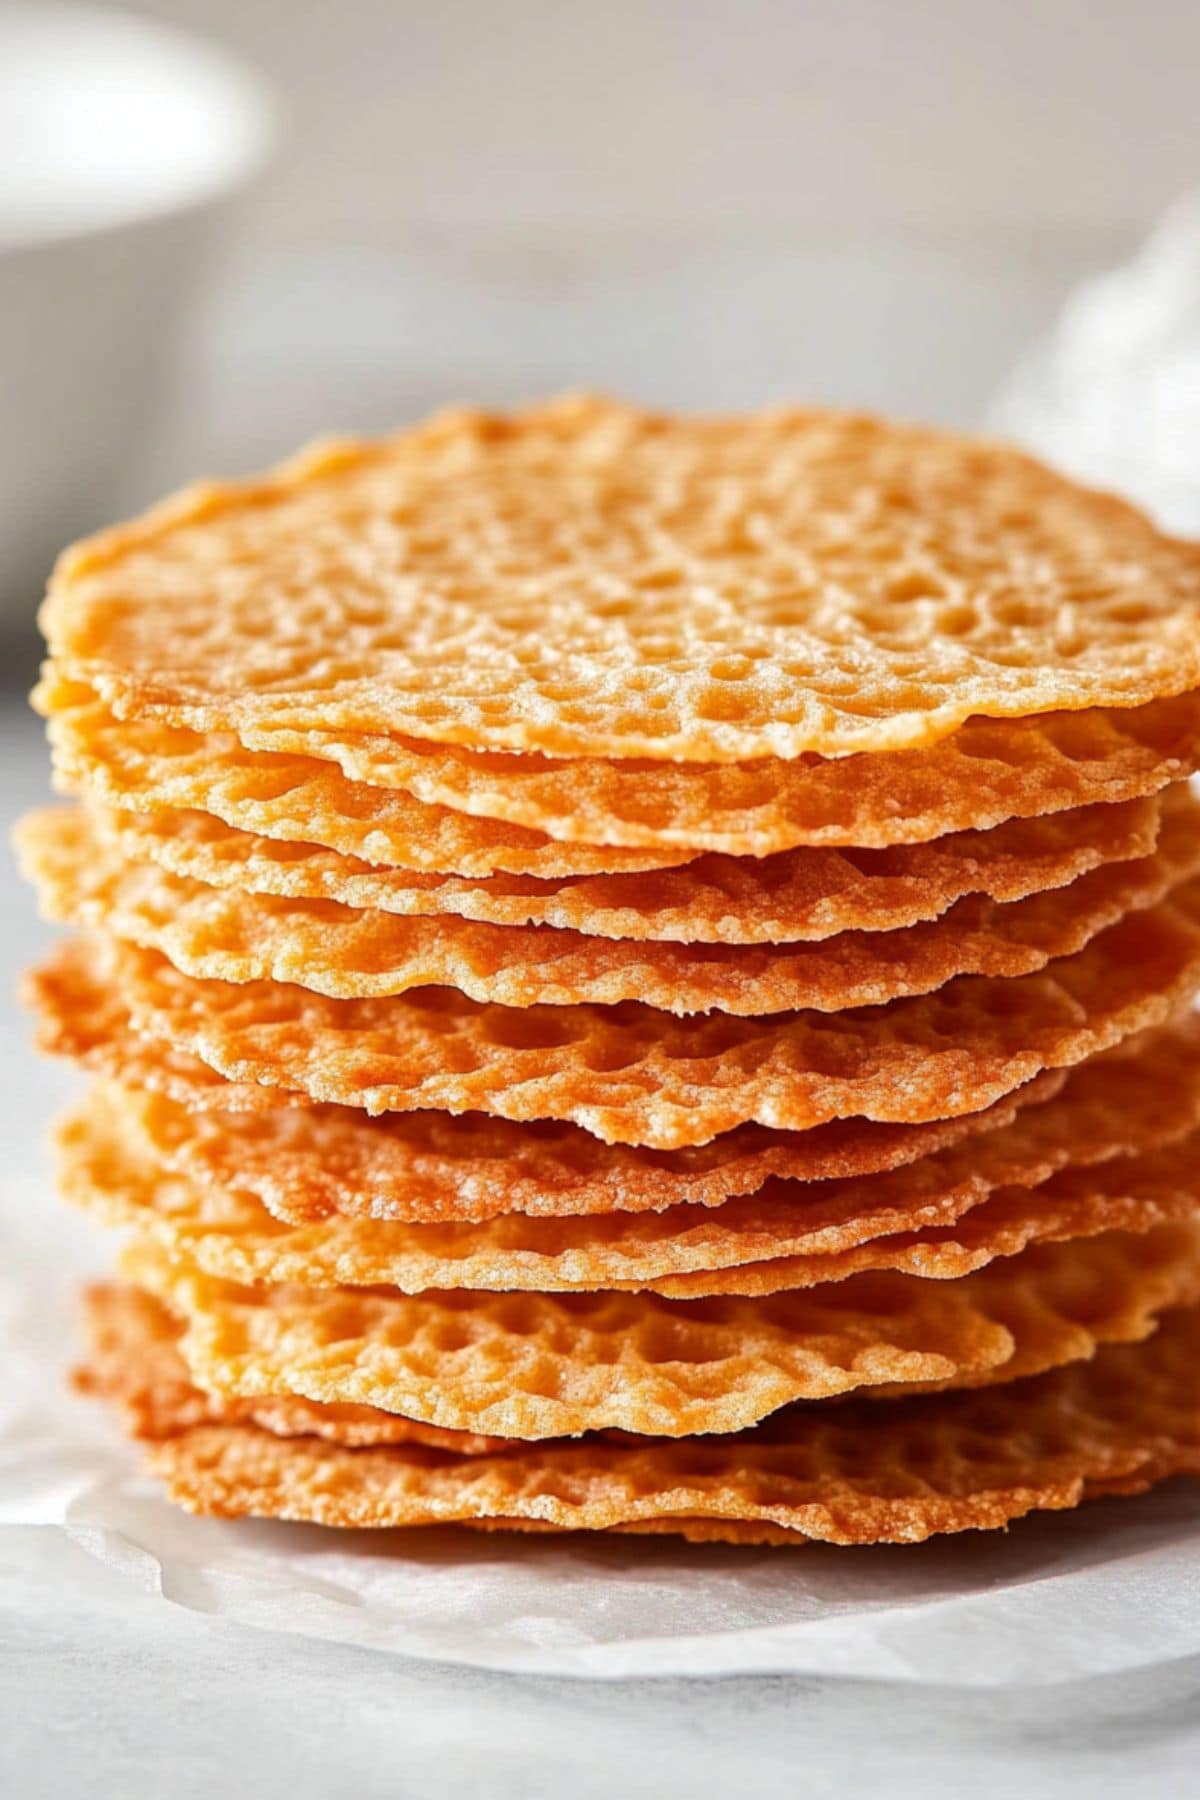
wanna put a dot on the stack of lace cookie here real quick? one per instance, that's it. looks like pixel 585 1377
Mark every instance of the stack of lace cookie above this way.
pixel 637 976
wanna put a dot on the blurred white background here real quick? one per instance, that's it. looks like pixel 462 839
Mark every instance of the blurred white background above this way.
pixel 839 117
pixel 879 202
pixel 701 202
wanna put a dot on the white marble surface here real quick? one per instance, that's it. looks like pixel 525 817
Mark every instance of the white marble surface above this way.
pixel 110 1691
pixel 105 1693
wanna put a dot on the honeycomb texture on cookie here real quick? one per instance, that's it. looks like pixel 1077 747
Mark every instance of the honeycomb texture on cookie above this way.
pixel 659 814
pixel 987 771
pixel 849 1474
pixel 1132 1194
pixel 80 1016
pixel 145 766
pixel 307 1163
pixel 631 1074
pixel 804 895
pixel 134 1364
pixel 763 1244
pixel 585 577
pixel 307 1160
pixel 345 952
pixel 550 1365
pixel 795 1234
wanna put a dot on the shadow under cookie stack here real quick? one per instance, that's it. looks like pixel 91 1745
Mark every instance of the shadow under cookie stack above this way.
pixel 637 975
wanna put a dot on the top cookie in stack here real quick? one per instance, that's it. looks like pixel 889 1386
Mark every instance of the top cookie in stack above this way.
pixel 603 921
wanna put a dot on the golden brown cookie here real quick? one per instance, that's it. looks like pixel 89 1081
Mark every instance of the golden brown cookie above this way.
pixel 584 578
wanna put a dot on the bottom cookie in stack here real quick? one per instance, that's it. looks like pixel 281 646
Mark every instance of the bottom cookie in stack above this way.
pixel 850 1473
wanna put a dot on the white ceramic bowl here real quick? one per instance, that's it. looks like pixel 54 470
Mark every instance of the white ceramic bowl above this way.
pixel 122 145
